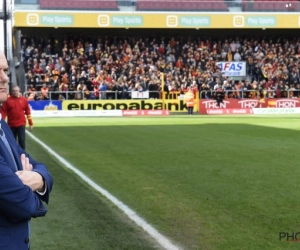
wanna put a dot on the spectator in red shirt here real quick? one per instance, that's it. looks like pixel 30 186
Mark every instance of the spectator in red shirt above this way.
pixel 37 69
pixel 15 108
pixel 161 49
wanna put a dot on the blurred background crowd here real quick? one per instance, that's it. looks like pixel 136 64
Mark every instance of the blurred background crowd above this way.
pixel 111 67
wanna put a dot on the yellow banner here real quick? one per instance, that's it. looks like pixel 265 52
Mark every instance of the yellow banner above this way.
pixel 171 105
pixel 153 20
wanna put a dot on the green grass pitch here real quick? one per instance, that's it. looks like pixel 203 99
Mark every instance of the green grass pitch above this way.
pixel 205 182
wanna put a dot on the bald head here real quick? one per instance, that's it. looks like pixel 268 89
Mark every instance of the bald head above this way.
pixel 3 68
pixel 3 77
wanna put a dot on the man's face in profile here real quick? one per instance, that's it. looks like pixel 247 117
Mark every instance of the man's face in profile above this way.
pixel 3 77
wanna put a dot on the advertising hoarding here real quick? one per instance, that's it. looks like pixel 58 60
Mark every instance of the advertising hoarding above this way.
pixel 91 19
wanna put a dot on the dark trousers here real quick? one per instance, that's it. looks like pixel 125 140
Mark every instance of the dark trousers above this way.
pixel 190 110
pixel 219 101
pixel 19 134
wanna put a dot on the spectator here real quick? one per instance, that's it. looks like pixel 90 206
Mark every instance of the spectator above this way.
pixel 15 108
pixel 31 93
pixel 45 92
pixel 71 93
pixel 237 57
pixel 189 99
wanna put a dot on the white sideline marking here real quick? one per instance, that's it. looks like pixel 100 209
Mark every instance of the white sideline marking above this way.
pixel 161 239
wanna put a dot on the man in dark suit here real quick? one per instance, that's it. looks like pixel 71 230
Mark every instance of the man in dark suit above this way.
pixel 24 183
pixel 219 96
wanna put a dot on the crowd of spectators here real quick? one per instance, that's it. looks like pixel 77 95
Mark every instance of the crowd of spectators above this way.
pixel 111 67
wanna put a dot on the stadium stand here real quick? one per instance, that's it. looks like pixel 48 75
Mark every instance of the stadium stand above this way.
pixel 270 5
pixel 124 62
pixel 174 5
pixel 79 5
pixel 119 64
pixel 189 5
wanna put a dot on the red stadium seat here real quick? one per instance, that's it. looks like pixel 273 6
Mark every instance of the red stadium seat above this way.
pixel 271 5
pixel 182 5
pixel 80 5
pixel 219 6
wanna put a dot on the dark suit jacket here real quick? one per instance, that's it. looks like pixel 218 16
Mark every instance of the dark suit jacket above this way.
pixel 18 203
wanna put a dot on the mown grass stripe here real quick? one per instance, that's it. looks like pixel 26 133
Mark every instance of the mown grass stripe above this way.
pixel 161 239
